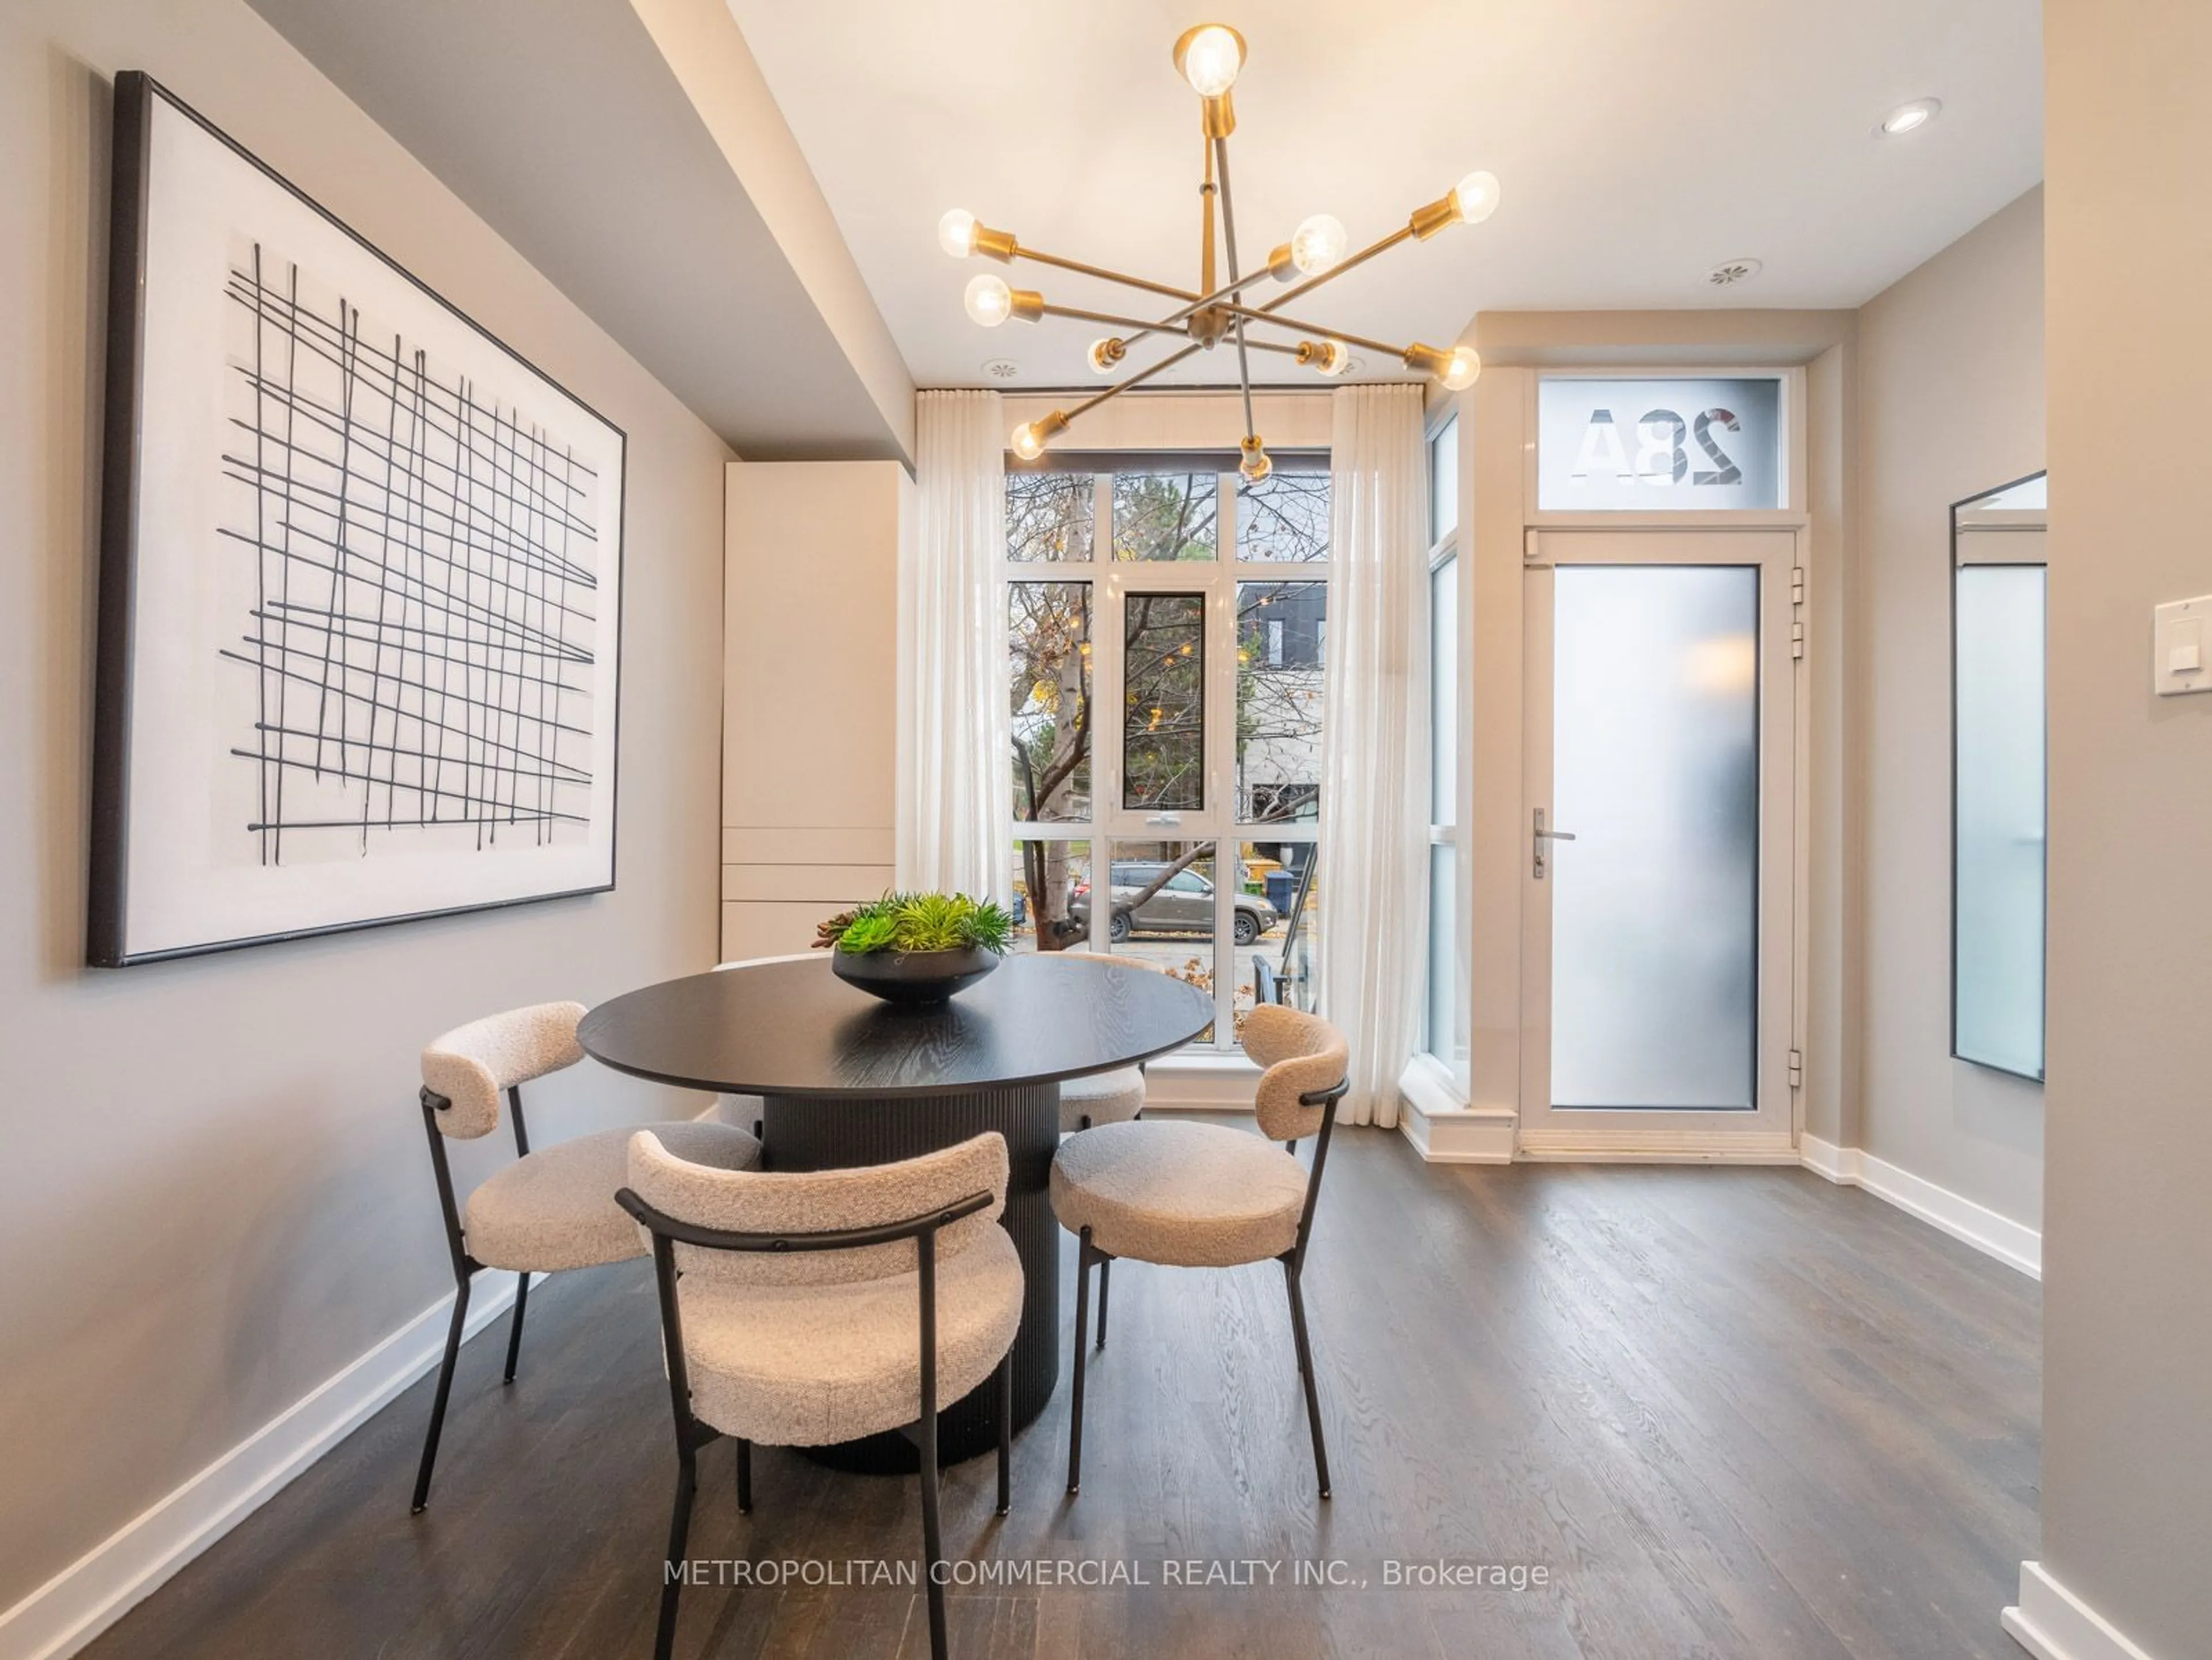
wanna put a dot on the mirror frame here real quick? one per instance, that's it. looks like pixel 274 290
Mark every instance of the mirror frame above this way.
pixel 1966 505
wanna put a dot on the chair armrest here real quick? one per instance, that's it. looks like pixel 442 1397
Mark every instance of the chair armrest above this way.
pixel 1328 1097
pixel 691 1233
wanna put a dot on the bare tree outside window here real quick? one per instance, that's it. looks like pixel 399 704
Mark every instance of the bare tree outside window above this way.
pixel 1166 516
pixel 1050 517
pixel 1281 629
pixel 1163 702
pixel 1284 518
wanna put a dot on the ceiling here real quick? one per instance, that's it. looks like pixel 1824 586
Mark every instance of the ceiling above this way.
pixel 1639 146
pixel 610 165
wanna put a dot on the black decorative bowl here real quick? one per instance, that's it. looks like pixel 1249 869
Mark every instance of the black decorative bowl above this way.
pixel 914 976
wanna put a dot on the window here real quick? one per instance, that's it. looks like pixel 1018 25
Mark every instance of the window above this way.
pixel 1447 1023
pixel 1168 630
pixel 1654 445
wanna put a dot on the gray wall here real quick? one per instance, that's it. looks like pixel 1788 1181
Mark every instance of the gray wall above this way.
pixel 214 1192
pixel 1950 404
pixel 2127 1437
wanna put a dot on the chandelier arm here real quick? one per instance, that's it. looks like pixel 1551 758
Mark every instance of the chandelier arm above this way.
pixel 1402 234
pixel 1141 375
pixel 1229 243
pixel 1139 326
pixel 1228 290
pixel 1104 275
pixel 1359 340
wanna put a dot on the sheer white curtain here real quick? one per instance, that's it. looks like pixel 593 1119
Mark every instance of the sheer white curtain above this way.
pixel 1374 792
pixel 953 723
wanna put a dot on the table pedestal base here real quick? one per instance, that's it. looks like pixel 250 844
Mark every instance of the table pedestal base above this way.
pixel 803 1134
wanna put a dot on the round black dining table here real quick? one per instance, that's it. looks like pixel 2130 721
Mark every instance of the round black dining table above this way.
pixel 845 1080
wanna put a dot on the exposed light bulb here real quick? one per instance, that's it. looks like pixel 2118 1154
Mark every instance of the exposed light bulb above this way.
pixel 1255 465
pixel 1911 118
pixel 1318 243
pixel 989 301
pixel 1212 56
pixel 1476 197
pixel 1462 369
pixel 956 233
pixel 1026 443
pixel 1106 355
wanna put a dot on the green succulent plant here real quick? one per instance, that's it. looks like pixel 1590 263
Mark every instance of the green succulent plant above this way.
pixel 918 922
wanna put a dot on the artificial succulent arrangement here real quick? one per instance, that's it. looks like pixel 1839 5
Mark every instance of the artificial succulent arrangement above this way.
pixel 909 922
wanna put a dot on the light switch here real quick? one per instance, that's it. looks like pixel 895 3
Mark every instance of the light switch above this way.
pixel 2179 634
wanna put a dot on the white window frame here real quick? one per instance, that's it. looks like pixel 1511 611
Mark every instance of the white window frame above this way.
pixel 1112 581
pixel 1448 1064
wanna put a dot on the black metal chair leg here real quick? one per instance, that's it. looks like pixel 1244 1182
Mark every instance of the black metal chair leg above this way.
pixel 1006 1432
pixel 679 1530
pixel 933 1537
pixel 438 1400
pixel 933 1542
pixel 745 1478
pixel 1082 1335
pixel 514 1326
pixel 1105 1267
pixel 1306 1372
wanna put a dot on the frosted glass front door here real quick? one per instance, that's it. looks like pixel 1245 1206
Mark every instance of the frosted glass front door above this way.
pixel 1655 774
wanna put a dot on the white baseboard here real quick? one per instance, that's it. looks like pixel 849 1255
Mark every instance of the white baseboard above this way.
pixel 2051 1623
pixel 2011 1242
pixel 90 1595
pixel 1658 1147
pixel 1444 1128
pixel 1185 1083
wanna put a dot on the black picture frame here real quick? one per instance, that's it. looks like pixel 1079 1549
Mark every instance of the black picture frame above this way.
pixel 137 97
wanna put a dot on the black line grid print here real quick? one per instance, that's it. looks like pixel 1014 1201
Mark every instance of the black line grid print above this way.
pixel 420 622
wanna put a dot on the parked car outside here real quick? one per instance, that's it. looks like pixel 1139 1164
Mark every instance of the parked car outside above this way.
pixel 1184 904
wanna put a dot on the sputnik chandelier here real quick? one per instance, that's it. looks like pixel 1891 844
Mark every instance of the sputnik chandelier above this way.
pixel 1209 57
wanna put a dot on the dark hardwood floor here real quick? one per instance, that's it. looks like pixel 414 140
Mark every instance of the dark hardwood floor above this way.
pixel 1728 1412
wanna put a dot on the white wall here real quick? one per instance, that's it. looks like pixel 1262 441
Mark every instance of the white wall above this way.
pixel 2127 1437
pixel 1950 404
pixel 216 1193
pixel 810 689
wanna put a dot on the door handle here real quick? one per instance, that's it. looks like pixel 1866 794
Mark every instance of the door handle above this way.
pixel 1538 864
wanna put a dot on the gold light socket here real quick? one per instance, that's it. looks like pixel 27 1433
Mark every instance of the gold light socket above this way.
pixel 1324 356
pixel 1024 303
pixel 1219 117
pixel 999 244
pixel 1439 214
pixel 1281 266
pixel 1050 427
pixel 1427 360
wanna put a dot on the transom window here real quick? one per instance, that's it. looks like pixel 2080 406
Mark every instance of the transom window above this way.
pixel 1168 627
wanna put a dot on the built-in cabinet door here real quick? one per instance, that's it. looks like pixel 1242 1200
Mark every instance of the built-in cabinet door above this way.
pixel 1657 915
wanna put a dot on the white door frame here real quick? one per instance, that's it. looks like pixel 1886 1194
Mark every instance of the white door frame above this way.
pixel 1766 1130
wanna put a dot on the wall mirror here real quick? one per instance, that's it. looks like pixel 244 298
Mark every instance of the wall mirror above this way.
pixel 1997 819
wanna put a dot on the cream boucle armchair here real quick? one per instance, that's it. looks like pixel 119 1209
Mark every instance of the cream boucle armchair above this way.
pixel 1206 1196
pixel 550 1209
pixel 809 1308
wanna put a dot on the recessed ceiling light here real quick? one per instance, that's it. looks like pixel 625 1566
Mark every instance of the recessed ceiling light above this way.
pixel 1729 272
pixel 1002 368
pixel 1910 117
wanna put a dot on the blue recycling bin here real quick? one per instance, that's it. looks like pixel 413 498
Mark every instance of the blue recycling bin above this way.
pixel 1281 885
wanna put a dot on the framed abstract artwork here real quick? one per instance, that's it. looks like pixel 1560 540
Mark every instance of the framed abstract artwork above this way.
pixel 361 579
